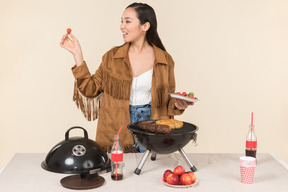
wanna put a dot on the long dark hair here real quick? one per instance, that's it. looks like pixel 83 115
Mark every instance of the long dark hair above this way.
pixel 146 13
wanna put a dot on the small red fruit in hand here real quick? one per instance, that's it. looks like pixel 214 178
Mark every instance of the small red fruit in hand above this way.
pixel 69 30
pixel 179 170
pixel 166 173
pixel 172 179
pixel 186 179
pixel 184 93
pixel 192 176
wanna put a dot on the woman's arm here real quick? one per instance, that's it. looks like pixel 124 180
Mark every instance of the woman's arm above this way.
pixel 73 46
pixel 87 87
pixel 172 109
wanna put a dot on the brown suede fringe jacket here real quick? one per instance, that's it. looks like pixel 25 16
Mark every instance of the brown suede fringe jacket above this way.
pixel 111 84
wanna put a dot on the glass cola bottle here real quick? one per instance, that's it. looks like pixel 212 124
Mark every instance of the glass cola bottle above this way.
pixel 251 142
pixel 117 160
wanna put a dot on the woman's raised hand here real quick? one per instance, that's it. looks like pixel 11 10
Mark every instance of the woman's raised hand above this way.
pixel 182 104
pixel 73 46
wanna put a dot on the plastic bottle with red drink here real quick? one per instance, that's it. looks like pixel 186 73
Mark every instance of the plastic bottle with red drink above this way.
pixel 117 160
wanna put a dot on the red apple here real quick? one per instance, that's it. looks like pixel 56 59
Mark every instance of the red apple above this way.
pixel 179 170
pixel 192 176
pixel 166 173
pixel 172 179
pixel 186 179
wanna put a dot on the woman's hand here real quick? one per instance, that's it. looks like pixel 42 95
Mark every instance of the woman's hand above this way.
pixel 73 46
pixel 182 104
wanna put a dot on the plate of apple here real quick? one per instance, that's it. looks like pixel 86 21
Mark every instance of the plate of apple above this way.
pixel 178 178
pixel 184 96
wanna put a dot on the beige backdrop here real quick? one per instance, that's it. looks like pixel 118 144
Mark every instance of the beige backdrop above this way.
pixel 232 54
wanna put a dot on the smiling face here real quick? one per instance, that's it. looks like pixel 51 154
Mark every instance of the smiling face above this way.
pixel 131 27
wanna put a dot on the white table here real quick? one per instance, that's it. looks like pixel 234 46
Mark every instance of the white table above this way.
pixel 216 172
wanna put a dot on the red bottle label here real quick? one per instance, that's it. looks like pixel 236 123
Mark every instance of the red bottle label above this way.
pixel 251 144
pixel 117 157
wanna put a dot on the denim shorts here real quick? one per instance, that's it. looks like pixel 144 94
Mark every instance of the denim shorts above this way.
pixel 140 113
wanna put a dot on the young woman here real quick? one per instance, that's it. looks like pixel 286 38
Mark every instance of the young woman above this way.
pixel 133 81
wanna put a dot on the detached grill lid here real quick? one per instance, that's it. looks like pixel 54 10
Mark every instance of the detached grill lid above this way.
pixel 76 155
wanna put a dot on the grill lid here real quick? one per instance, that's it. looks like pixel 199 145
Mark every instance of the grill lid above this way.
pixel 76 155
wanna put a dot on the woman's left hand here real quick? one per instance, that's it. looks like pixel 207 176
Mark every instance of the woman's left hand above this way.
pixel 182 104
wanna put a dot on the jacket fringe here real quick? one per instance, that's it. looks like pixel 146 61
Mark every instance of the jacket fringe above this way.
pixel 117 88
pixel 89 106
pixel 161 97
pixel 126 149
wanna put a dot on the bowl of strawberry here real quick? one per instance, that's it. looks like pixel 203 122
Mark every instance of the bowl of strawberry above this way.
pixel 178 177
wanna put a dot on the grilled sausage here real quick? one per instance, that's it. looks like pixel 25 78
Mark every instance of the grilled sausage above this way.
pixel 153 127
pixel 162 128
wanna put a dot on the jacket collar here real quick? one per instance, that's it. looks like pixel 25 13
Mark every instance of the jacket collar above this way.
pixel 122 53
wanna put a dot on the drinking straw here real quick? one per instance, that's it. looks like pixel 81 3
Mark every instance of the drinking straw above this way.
pixel 251 125
pixel 117 149
pixel 119 131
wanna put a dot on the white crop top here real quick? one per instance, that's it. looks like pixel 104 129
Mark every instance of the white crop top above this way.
pixel 141 89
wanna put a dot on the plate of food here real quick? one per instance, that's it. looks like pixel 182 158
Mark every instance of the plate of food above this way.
pixel 184 96
pixel 178 178
pixel 179 185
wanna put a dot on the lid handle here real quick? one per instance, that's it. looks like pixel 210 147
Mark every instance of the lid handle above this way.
pixel 76 127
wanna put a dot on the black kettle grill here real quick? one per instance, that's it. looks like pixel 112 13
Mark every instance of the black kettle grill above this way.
pixel 164 143
pixel 80 156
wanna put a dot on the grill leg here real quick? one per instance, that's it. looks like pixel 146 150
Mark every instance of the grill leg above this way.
pixel 153 156
pixel 138 169
pixel 192 167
